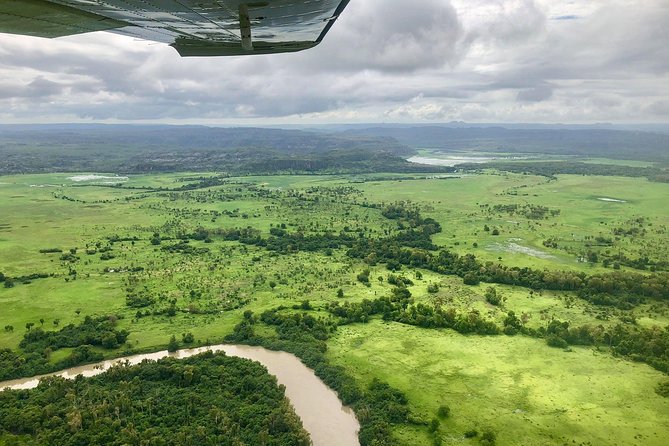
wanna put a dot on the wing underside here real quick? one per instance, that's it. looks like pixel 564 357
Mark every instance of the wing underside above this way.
pixel 193 27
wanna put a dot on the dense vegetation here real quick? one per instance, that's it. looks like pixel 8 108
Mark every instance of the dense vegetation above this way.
pixel 38 345
pixel 209 399
pixel 413 247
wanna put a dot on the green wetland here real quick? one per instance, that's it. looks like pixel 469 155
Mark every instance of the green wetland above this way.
pixel 475 307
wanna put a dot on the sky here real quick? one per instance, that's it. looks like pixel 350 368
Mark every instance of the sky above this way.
pixel 393 61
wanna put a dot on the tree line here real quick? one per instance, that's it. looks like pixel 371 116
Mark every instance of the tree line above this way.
pixel 649 345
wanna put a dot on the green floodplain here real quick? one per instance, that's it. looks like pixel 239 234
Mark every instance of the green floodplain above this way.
pixel 353 267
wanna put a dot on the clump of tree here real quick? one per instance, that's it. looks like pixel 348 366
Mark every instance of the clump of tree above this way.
pixel 527 210
pixel 183 247
pixel 363 277
pixel 173 344
pixel 649 345
pixel 100 331
pixel 492 297
pixel 662 389
pixel 10 282
pixel 444 411
pixel 399 307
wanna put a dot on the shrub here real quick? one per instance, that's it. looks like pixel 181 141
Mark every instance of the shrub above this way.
pixel 556 341
pixel 444 411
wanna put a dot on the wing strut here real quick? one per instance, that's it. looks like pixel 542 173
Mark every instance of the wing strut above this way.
pixel 245 27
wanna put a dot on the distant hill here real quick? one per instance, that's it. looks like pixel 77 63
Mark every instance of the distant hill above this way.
pixel 167 138
pixel 592 142
pixel 162 148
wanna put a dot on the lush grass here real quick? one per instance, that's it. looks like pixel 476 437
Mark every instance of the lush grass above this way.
pixel 34 218
pixel 527 392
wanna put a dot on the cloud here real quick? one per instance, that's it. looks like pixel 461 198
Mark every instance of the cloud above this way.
pixel 393 35
pixel 659 108
pixel 536 94
pixel 426 61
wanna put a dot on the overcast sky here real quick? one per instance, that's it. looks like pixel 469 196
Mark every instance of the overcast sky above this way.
pixel 435 61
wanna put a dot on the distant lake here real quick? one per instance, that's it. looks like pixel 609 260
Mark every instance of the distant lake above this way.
pixel 95 177
pixel 449 160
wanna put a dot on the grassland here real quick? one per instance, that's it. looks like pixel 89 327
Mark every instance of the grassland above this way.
pixel 125 241
pixel 527 392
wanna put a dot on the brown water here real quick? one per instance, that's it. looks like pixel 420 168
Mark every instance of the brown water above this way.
pixel 327 420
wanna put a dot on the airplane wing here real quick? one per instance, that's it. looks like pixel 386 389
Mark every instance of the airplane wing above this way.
pixel 192 27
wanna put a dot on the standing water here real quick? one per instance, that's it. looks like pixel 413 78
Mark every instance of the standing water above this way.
pixel 327 420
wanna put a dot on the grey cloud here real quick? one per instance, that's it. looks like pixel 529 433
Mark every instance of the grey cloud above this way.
pixel 536 94
pixel 43 87
pixel 39 88
pixel 659 108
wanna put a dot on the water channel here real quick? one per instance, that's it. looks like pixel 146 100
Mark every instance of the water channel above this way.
pixel 327 420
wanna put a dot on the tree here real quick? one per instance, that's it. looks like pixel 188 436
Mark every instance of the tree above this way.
pixel 488 438
pixel 340 293
pixel 188 338
pixel 471 433
pixel 173 345
pixel 662 389
pixel 109 340
pixel 29 325
pixel 512 324
pixel 491 296
pixel 495 231
pixel 444 411
pixel 363 277
pixel 471 279
pixel 556 341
